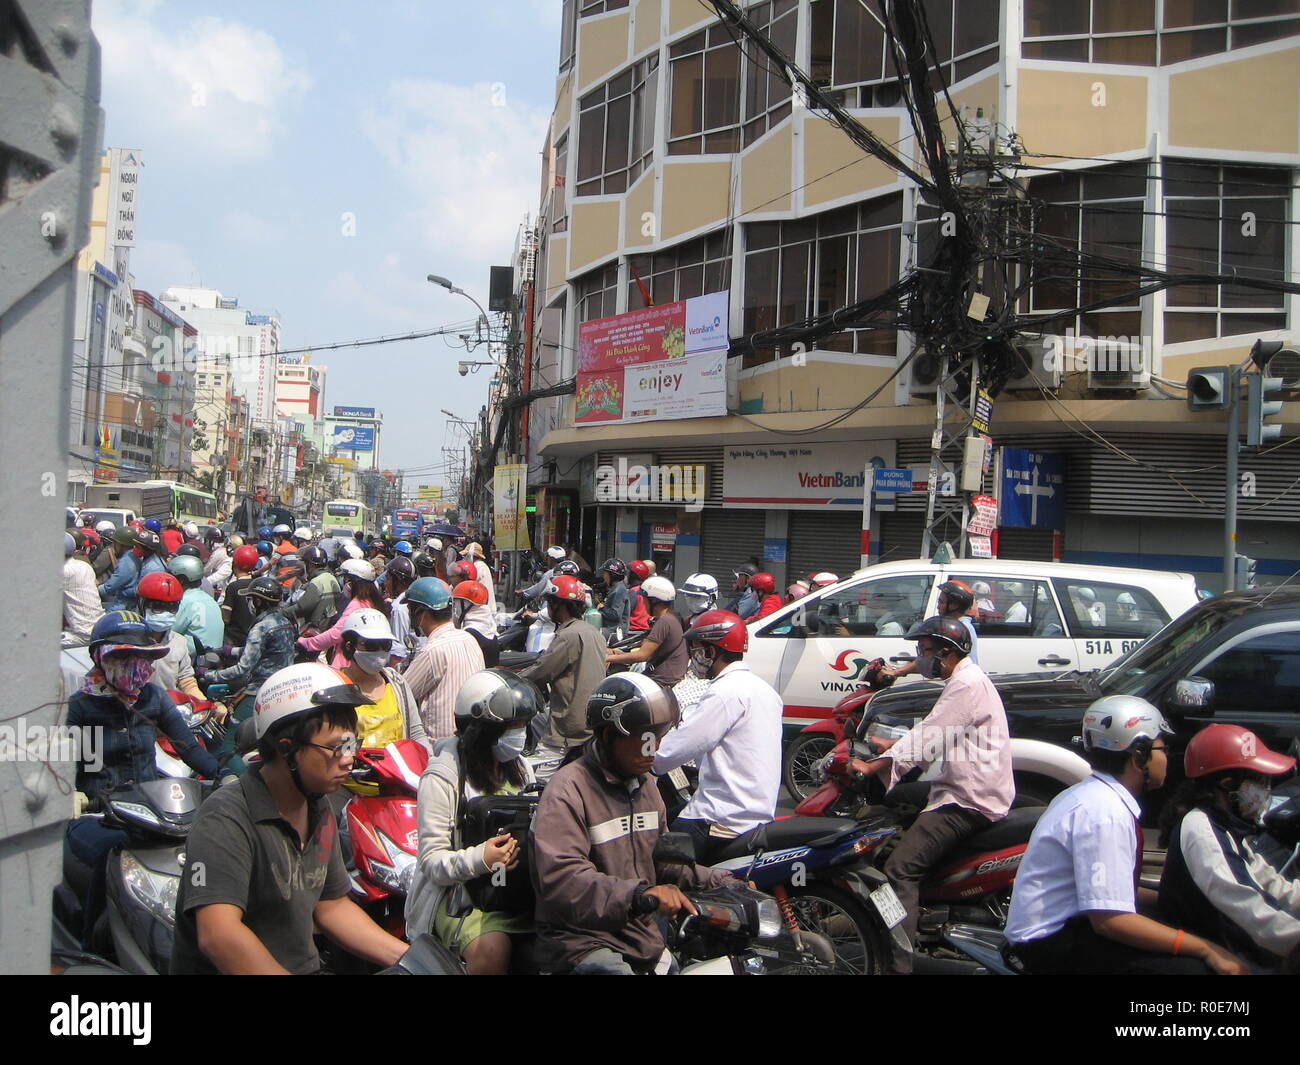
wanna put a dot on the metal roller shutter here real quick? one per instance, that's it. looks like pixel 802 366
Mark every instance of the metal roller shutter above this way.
pixel 1032 545
pixel 728 538
pixel 821 540
pixel 900 535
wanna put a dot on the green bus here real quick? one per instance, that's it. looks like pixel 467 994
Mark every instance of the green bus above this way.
pixel 191 504
pixel 343 517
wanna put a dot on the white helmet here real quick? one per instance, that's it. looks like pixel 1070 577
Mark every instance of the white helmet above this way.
pixel 300 689
pixel 105 526
pixel 824 579
pixel 190 530
pixel 359 568
pixel 1126 599
pixel 1118 722
pixel 556 553
pixel 1086 594
pixel 302 533
pixel 433 544
pixel 700 591
pixel 349 549
pixel 982 589
pixel 659 588
pixel 498 695
pixel 368 624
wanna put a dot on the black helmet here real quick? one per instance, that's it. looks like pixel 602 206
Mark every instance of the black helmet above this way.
pixel 401 567
pixel 959 594
pixel 267 589
pixel 425 565
pixel 947 631
pixel 616 567
pixel 748 569
pixel 215 534
pixel 189 549
pixel 148 540
pixel 632 704
pixel 313 556
pixel 567 566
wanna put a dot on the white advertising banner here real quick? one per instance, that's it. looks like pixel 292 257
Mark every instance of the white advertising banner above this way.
pixel 511 528
pixel 693 387
pixel 124 186
pixel 801 476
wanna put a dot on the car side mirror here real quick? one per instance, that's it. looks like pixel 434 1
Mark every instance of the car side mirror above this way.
pixel 1191 693
pixel 675 848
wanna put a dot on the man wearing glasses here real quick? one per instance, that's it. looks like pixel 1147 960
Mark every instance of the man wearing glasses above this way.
pixel 1074 906
pixel 263 867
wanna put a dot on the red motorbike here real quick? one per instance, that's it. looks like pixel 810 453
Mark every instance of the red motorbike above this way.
pixel 383 830
pixel 814 742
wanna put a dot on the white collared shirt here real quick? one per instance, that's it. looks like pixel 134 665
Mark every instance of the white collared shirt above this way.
pixel 735 737
pixel 1081 858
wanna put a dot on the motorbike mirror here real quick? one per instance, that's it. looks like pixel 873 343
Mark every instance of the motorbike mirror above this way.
pixel 1191 693
pixel 675 848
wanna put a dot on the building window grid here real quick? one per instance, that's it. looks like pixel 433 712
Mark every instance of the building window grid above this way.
pixel 597 293
pixel 616 130
pixel 704 96
pixel 560 192
pixel 587 8
pixel 797 269
pixel 1152 32
pixel 767 93
pixel 681 272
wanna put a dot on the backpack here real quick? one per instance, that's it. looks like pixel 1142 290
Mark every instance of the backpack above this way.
pixel 477 821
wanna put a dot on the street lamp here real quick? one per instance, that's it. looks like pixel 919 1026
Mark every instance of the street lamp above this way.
pixel 455 290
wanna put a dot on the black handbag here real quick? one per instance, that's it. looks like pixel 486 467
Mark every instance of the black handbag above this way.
pixel 479 820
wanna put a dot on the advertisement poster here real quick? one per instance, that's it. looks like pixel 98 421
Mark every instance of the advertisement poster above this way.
pixel 654 364
pixel 801 476
pixel 354 438
pixel 511 529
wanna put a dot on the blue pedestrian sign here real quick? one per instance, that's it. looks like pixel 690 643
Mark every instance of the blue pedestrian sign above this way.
pixel 890 480
pixel 1032 490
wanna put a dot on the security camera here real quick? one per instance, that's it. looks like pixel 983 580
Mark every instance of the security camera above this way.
pixel 463 369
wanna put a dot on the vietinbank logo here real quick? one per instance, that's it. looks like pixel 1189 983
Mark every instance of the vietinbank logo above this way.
pixel 851 667
pixel 708 329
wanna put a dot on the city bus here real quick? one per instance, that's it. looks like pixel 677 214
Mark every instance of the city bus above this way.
pixel 343 517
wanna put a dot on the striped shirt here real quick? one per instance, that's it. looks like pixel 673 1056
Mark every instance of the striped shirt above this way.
pixel 448 659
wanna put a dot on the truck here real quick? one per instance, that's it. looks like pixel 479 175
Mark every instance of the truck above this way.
pixel 120 503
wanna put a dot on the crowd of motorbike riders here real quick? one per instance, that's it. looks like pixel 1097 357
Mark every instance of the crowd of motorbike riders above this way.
pixel 338 644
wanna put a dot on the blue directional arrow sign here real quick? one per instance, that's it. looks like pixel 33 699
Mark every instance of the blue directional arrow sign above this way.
pixel 1033 490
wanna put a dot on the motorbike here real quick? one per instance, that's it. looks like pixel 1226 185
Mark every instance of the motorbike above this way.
pixel 200 716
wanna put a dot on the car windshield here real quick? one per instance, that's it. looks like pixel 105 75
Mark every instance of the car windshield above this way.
pixel 1129 675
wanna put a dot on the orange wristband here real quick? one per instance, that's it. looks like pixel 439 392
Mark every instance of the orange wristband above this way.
pixel 1178 941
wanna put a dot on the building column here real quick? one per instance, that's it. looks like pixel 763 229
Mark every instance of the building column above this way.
pixel 686 556
pixel 627 532
pixel 776 545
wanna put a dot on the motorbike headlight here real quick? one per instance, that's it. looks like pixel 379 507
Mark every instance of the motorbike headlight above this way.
pixel 770 924
pixel 137 812
pixel 154 891
pixel 399 873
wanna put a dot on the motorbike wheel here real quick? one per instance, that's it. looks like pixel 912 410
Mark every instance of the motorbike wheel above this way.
pixel 802 754
pixel 860 946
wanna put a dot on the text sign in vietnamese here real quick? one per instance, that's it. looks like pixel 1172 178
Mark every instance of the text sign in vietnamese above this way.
pixel 654 364
pixel 801 476
pixel 892 480
pixel 1033 490
pixel 354 438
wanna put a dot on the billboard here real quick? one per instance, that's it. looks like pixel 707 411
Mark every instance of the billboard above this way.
pixel 354 412
pixel 799 476
pixel 511 528
pixel 354 438
pixel 654 364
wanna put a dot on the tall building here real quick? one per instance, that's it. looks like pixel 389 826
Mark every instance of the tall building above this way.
pixel 299 387
pixel 678 166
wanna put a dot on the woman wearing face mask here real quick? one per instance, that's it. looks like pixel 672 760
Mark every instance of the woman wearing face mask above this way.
pixel 493 709
pixel 395 714
pixel 358 580
pixel 1216 883
pixel 119 714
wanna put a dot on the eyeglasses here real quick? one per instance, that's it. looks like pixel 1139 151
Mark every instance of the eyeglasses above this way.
pixel 1163 747
pixel 340 750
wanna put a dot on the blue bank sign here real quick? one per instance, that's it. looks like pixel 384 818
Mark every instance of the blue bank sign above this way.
pixel 1033 490
pixel 354 438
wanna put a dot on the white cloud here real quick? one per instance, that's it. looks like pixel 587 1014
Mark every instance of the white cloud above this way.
pixel 221 87
pixel 470 158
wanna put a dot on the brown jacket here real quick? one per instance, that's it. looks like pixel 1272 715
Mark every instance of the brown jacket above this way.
pixel 572 665
pixel 592 850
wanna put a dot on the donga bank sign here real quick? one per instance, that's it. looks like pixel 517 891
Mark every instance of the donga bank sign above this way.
pixel 799 476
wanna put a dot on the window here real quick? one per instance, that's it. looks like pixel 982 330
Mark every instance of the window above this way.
pixel 597 7
pixel 887 607
pixel 795 270
pixel 691 269
pixel 598 293
pixel 767 94
pixel 1110 611
pixel 1261 675
pixel 705 109
pixel 568 34
pixel 1102 211
pixel 849 47
pixel 560 192
pixel 1014 607
pixel 1126 31
pixel 616 130
pixel 1227 220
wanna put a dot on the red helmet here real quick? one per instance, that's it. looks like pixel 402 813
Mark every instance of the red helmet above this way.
pixel 89 536
pixel 471 590
pixel 763 583
pixel 562 586
pixel 159 588
pixel 1219 747
pixel 640 569
pixel 721 628
pixel 464 571
pixel 246 557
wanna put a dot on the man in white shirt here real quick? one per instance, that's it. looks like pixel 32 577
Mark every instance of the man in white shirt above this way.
pixel 81 602
pixel 1075 900
pixel 734 735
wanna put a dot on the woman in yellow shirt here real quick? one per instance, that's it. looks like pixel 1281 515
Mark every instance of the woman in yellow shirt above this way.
pixel 395 714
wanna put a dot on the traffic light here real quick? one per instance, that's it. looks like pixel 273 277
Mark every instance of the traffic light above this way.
pixel 1261 405
pixel 1263 350
pixel 1244 573
pixel 1210 388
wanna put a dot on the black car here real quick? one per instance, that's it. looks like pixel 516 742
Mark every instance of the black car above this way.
pixel 1238 655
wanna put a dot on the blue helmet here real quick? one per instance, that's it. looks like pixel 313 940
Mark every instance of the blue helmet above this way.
pixel 264 533
pixel 403 547
pixel 430 592
pixel 124 630
pixel 153 524
pixel 265 547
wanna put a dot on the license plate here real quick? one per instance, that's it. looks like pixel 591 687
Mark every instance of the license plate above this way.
pixel 679 779
pixel 887 905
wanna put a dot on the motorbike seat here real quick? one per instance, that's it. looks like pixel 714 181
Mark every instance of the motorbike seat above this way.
pixel 787 832
pixel 1011 831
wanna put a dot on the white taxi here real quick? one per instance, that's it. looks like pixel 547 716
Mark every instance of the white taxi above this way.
pixel 1030 617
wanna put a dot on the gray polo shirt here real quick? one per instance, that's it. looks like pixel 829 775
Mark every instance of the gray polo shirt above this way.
pixel 242 852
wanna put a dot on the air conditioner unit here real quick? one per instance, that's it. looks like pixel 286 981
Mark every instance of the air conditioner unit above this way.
pixel 1034 356
pixel 1117 366
pixel 927 371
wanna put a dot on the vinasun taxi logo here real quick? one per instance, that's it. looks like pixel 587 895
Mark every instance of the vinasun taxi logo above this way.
pixel 851 665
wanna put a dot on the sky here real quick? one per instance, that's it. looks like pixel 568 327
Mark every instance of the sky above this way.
pixel 321 158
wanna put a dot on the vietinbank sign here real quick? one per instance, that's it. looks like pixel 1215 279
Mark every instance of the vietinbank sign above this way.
pixel 654 364
pixel 801 476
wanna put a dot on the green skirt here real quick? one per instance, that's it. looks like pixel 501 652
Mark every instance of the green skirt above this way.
pixel 457 933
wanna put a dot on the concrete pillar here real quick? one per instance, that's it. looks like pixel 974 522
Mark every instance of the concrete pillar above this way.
pixel 776 546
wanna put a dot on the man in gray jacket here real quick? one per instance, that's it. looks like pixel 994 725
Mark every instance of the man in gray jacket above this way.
pixel 572 665
pixel 319 604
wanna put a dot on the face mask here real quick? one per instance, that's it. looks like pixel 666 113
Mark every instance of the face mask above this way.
pixel 511 745
pixel 371 661
pixel 127 674
pixel 160 620
pixel 702 663
pixel 1252 798
pixel 929 666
